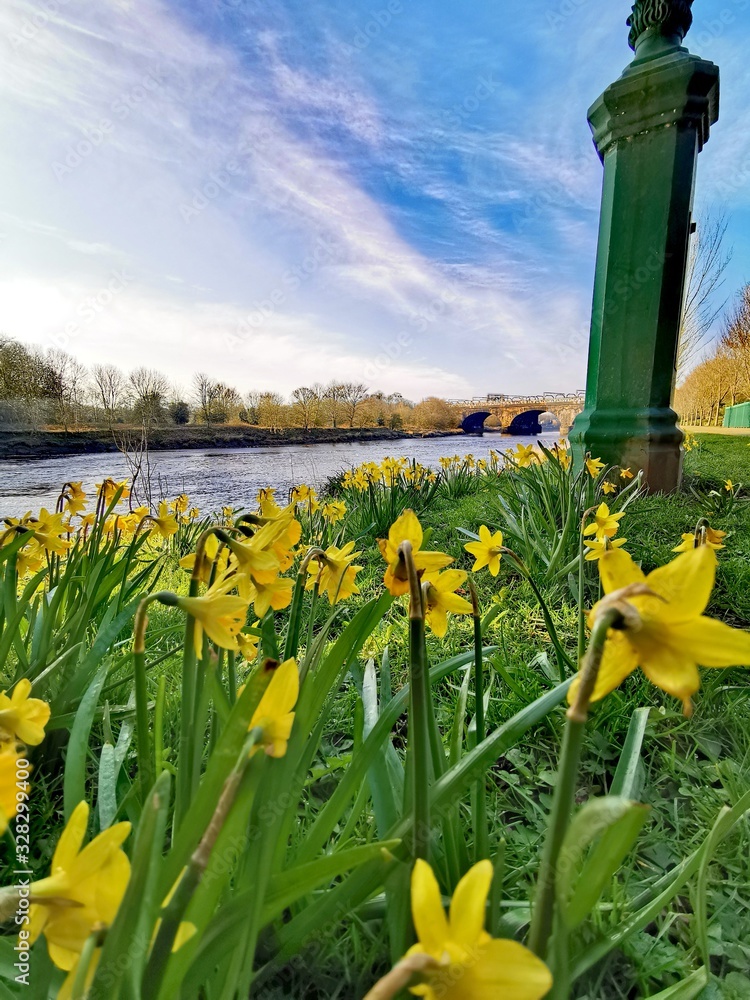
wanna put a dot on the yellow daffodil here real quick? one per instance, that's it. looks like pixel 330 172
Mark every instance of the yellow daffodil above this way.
pixel 181 503
pixel 218 613
pixel 407 528
pixel 248 645
pixel 728 485
pixel 48 531
pixel 466 963
pixel 598 546
pixel 277 594
pixel 210 554
pixel 8 785
pixel 274 714
pixel 608 487
pixel 334 511
pixel 440 598
pixel 75 497
pixel 30 558
pixel 23 718
pixel 84 888
pixel 253 556
pixel 524 456
pixel 109 487
pixel 335 573
pixel 487 551
pixel 594 466
pixel 713 538
pixel 304 494
pixel 166 523
pixel 626 474
pixel 671 635
pixel 561 453
pixel 605 525
pixel 266 503
pixel 284 546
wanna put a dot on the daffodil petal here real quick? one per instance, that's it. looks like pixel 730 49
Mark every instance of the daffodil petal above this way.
pixel 468 905
pixel 617 570
pixel 503 969
pixel 619 660
pixel 685 583
pixel 71 838
pixel 427 910
pixel 711 643
pixel 673 670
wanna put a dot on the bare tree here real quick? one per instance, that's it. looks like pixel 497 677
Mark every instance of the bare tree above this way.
pixel 306 403
pixel 736 336
pixel 68 385
pixel 353 393
pixel 205 391
pixel 272 411
pixel 148 389
pixel 334 399
pixel 109 389
pixel 707 262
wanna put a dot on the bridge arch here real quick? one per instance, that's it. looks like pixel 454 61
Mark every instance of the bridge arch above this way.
pixel 473 423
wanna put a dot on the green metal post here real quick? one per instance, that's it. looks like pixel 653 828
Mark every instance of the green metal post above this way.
pixel 648 127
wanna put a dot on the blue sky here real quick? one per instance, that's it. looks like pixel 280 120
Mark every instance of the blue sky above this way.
pixel 399 192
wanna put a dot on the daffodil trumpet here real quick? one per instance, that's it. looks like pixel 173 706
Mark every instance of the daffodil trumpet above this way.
pixel 542 916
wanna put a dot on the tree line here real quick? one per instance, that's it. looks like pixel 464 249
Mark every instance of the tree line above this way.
pixel 52 389
pixel 723 377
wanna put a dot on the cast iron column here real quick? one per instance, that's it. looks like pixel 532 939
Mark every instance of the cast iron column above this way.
pixel 648 127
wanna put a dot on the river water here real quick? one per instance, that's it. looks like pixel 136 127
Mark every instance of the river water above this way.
pixel 215 477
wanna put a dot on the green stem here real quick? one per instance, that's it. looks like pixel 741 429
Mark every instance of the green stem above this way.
pixel 481 832
pixel 567 777
pixel 144 747
pixel 159 724
pixel 420 735
pixel 187 710
pixel 93 941
pixel 232 676
pixel 419 719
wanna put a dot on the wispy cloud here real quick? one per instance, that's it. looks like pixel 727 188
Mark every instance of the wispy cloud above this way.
pixel 300 205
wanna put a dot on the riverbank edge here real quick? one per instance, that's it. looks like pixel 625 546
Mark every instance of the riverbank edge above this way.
pixel 33 445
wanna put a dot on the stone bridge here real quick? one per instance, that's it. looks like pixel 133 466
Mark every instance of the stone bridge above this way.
pixel 520 414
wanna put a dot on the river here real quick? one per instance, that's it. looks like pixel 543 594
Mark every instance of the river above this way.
pixel 215 477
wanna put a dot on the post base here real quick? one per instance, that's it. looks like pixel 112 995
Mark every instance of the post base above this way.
pixel 647 440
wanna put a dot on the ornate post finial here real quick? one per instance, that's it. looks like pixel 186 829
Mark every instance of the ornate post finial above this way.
pixel 671 17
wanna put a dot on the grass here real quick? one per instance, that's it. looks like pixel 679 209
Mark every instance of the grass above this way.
pixel 690 768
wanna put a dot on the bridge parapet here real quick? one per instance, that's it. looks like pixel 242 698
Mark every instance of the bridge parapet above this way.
pixel 564 406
